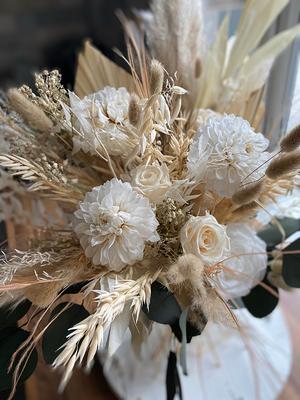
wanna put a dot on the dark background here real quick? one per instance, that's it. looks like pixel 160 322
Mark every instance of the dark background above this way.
pixel 37 34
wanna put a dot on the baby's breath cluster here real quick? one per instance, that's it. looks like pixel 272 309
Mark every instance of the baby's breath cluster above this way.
pixel 51 93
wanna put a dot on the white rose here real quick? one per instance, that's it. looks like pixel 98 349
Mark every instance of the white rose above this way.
pixel 152 180
pixel 205 238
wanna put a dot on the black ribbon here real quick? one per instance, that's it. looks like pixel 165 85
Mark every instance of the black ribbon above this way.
pixel 172 378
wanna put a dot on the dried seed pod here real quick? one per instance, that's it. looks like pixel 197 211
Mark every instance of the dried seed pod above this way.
pixel 291 141
pixel 32 114
pixel 248 193
pixel 156 77
pixel 284 164
pixel 134 110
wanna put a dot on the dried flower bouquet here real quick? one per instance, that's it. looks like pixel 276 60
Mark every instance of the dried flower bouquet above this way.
pixel 143 190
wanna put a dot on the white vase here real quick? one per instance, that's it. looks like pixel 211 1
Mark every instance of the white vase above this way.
pixel 223 364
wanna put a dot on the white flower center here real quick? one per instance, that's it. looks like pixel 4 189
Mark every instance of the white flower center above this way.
pixel 109 222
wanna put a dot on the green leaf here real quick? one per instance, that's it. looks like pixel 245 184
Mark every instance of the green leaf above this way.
pixel 291 265
pixel 10 340
pixel 55 335
pixel 260 302
pixel 163 307
pixel 191 331
pixel 10 316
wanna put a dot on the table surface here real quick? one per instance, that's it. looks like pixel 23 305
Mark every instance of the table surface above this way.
pixel 94 386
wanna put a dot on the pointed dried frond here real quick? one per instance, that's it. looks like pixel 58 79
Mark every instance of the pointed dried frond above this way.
pixel 95 71
pixel 210 83
pixel 254 73
pixel 256 18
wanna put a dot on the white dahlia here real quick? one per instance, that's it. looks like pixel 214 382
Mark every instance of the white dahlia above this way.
pixel 113 223
pixel 249 267
pixel 100 119
pixel 224 151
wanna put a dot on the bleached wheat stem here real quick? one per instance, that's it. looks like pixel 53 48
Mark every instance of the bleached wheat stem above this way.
pixel 86 337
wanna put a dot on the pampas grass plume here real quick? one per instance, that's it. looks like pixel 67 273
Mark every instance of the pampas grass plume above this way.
pixel 32 114
pixel 284 164
pixel 134 110
pixel 156 77
pixel 291 141
pixel 249 193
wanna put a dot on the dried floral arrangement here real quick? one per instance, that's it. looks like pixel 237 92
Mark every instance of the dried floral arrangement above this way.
pixel 148 182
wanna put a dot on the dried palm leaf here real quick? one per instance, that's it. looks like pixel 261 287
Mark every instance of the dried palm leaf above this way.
pixel 211 79
pixel 255 71
pixel 95 71
pixel 255 20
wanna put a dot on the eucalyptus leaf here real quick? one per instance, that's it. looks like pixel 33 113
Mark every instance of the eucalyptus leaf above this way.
pixel 55 335
pixel 260 302
pixel 9 315
pixel 191 331
pixel 163 307
pixel 271 234
pixel 10 340
pixel 291 265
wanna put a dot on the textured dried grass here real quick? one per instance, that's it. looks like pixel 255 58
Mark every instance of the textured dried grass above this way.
pixel 248 194
pixel 156 77
pixel 134 111
pixel 32 114
pixel 291 141
pixel 284 164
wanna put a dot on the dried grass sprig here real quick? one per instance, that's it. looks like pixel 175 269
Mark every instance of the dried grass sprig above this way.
pixel 291 141
pixel 156 77
pixel 249 193
pixel 87 336
pixel 48 180
pixel 134 110
pixel 284 164
pixel 31 113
